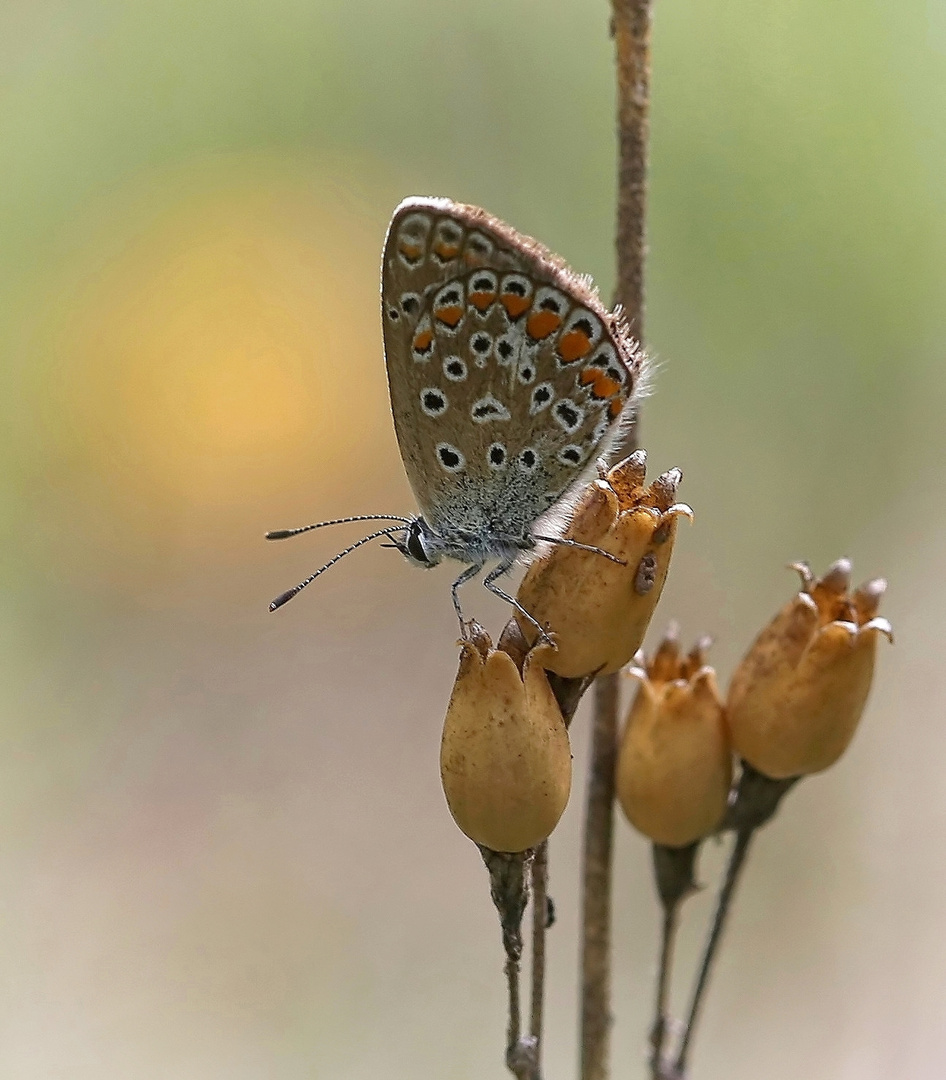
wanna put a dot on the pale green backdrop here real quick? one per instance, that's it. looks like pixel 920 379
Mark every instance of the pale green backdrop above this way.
pixel 224 853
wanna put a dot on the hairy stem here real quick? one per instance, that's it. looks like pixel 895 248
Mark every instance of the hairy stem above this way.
pixel 596 878
pixel 630 25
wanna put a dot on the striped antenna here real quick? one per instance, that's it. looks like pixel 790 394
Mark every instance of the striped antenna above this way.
pixel 284 534
pixel 287 596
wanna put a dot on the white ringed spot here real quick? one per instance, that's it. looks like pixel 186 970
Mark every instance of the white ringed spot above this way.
pixel 410 303
pixel 448 237
pixel 482 291
pixel 568 415
pixel 515 294
pixel 455 369
pixel 422 343
pixel 433 401
pixel 412 236
pixel 542 396
pixel 481 345
pixel 528 460
pixel 450 457
pixel 488 408
pixel 496 456
pixel 477 249
pixel 507 348
pixel 449 306
pixel 547 314
pixel 571 454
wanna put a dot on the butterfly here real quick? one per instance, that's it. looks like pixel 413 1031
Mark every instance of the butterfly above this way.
pixel 508 380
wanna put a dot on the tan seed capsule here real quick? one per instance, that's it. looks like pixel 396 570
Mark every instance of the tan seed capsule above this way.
pixel 597 609
pixel 505 760
pixel 797 696
pixel 674 767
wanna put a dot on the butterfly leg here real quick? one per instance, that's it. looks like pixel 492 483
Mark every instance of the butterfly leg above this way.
pixel 468 574
pixel 490 582
pixel 583 547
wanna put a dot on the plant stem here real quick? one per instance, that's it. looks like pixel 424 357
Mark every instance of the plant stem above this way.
pixel 658 1032
pixel 508 886
pixel 596 878
pixel 540 917
pixel 630 26
pixel 631 22
pixel 674 877
pixel 737 859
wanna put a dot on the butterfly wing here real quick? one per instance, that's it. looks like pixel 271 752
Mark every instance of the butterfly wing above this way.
pixel 507 374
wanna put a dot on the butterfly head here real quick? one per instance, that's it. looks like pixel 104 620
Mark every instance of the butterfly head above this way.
pixel 419 545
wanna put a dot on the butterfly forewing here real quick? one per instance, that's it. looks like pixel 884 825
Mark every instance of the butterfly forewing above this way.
pixel 507 374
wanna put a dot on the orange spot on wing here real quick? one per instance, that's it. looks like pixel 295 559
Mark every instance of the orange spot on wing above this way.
pixel 514 305
pixel 605 387
pixel 449 315
pixel 542 323
pixel 446 251
pixel 482 300
pixel 615 407
pixel 601 386
pixel 574 345
pixel 410 251
pixel 423 339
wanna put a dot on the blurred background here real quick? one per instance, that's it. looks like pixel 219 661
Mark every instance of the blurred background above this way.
pixel 225 852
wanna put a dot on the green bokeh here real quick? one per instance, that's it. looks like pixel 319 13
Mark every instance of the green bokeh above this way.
pixel 796 288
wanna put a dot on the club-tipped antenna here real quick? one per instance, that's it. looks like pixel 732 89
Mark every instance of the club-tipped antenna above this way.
pixel 284 534
pixel 285 597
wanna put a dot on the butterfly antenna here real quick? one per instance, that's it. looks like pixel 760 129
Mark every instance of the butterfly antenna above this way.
pixel 284 534
pixel 287 596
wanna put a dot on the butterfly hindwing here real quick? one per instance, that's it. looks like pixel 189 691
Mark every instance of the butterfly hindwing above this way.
pixel 507 374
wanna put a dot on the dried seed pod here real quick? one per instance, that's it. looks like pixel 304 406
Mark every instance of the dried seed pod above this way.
pixel 797 696
pixel 505 760
pixel 674 768
pixel 598 609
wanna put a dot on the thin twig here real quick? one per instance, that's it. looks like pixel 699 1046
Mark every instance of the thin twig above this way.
pixel 509 889
pixel 540 921
pixel 658 1032
pixel 674 876
pixel 736 860
pixel 757 799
